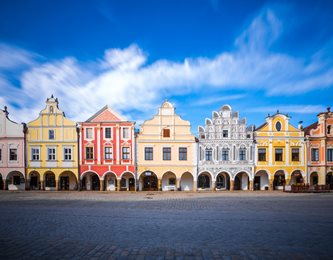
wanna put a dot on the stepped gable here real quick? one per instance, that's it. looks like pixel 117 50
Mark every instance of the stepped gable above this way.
pixel 106 114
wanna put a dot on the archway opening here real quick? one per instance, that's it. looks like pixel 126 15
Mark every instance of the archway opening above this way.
pixel 67 181
pixel 15 180
pixel 279 180
pixel 204 180
pixel 50 181
pixel 1 182
pixel 314 178
pixel 148 181
pixel 169 181
pixel 110 181
pixel 34 181
pixel 127 182
pixel 261 181
pixel 186 182
pixel 90 181
pixel 223 181
pixel 296 178
pixel 241 181
pixel 329 180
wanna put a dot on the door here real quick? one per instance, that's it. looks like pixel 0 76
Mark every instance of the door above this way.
pixel 33 183
pixel 257 183
pixel 131 183
pixel 150 183
pixel 95 182
pixel 329 180
pixel 64 183
pixel 237 183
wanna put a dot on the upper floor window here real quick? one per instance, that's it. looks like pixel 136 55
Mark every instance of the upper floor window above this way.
pixel 278 154
pixel 166 153
pixel 108 153
pixel 125 132
pixel 89 133
pixel 126 153
pixel 295 154
pixel 329 129
pixel 51 109
pixel 89 153
pixel 51 154
pixel 330 154
pixel 182 153
pixel 166 132
pixel 242 154
pixel 51 134
pixel 225 133
pixel 107 132
pixel 0 154
pixel 209 154
pixel 67 154
pixel 148 153
pixel 315 154
pixel 35 154
pixel 225 154
pixel 13 154
pixel 278 126
pixel 262 154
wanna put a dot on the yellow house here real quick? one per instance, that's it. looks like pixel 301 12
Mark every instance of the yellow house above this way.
pixel 280 154
pixel 166 152
pixel 52 150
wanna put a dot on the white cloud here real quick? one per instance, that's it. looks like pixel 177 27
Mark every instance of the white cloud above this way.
pixel 287 109
pixel 124 80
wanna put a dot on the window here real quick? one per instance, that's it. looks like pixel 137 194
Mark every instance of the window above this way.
pixel 225 133
pixel 0 154
pixel 125 133
pixel 16 180
pixel 172 181
pixel 51 134
pixel 278 154
pixel 148 153
pixel 182 153
pixel 67 154
pixel 166 153
pixel 89 133
pixel 278 126
pixel 329 129
pixel 242 154
pixel 295 154
pixel 35 154
pixel 166 132
pixel 108 153
pixel 89 153
pixel 126 153
pixel 262 154
pixel 225 154
pixel 330 155
pixel 51 109
pixel 13 154
pixel 51 154
pixel 315 154
pixel 209 154
pixel 107 133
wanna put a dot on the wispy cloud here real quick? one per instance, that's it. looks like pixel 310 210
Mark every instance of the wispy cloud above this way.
pixel 214 100
pixel 124 80
pixel 298 109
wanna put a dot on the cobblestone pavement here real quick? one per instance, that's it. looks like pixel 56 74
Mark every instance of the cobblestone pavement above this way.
pixel 226 225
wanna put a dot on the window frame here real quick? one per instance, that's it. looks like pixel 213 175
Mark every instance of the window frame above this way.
pixel 225 154
pixel 108 153
pixel 166 130
pixel 125 130
pixel 105 132
pixel 33 150
pixel 242 154
pixel 89 153
pixel 330 154
pixel 149 151
pixel 280 154
pixel 182 151
pixel 208 154
pixel 15 154
pixel 292 154
pixel 86 133
pixel 51 135
pixel 315 154
pixel 223 132
pixel 262 154
pixel 166 152
pixel 127 152
pixel 65 153
pixel 51 154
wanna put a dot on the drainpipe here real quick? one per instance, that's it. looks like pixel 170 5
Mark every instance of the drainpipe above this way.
pixel 136 161
pixel 25 151
pixel 78 157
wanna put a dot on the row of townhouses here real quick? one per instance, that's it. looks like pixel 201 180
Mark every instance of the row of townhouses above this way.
pixel 106 153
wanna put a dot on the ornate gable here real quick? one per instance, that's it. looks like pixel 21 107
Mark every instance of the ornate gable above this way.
pixel 106 114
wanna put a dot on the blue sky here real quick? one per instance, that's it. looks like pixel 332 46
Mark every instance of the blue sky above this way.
pixel 257 56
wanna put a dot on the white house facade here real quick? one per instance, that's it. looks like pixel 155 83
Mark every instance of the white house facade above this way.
pixel 226 152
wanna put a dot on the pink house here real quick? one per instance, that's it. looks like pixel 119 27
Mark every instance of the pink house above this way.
pixel 12 161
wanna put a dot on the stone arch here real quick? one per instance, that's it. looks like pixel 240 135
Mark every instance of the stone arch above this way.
pixel 110 181
pixel 222 180
pixel 34 180
pixel 127 181
pixel 279 179
pixel 205 180
pixel 169 181
pixel 90 181
pixel 261 180
pixel 49 180
pixel 187 182
pixel 242 181
pixel 314 177
pixel 15 180
pixel 67 181
pixel 296 177
pixel 148 181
